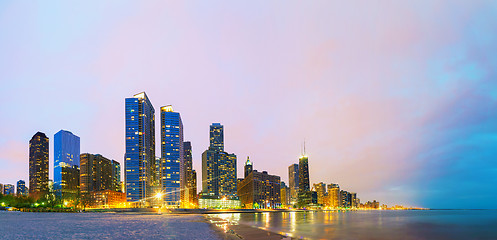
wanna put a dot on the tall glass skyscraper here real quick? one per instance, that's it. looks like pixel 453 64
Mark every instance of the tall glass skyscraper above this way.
pixel 218 167
pixel 171 155
pixel 293 177
pixel 139 160
pixel 38 164
pixel 304 194
pixel 66 161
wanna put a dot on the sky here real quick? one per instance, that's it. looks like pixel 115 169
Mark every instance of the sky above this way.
pixel 396 100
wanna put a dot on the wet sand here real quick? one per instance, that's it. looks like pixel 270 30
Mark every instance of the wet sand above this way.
pixel 231 231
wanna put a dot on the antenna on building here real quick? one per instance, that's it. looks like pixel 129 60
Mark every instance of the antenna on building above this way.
pixel 304 146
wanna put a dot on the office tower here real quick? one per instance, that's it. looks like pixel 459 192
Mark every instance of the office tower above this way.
pixel 139 163
pixel 216 136
pixel 116 176
pixel 345 198
pixel 188 189
pixel 172 156
pixel 248 167
pixel 353 200
pixel 8 189
pixel 218 167
pixel 293 182
pixel 21 188
pixel 260 190
pixel 38 164
pixel 304 194
pixel 285 194
pixel 334 199
pixel 320 189
pixel 98 173
pixel 66 161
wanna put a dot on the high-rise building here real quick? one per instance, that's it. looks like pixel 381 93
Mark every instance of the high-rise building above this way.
pixel 218 167
pixel 22 190
pixel 293 182
pixel 116 176
pixel 97 173
pixel 248 167
pixel 172 156
pixel 38 164
pixel 334 200
pixel 353 200
pixel 139 163
pixel 1 188
pixel 8 189
pixel 345 198
pixel 216 136
pixel 305 194
pixel 320 189
pixel 260 190
pixel 66 161
pixel 189 188
pixel 285 194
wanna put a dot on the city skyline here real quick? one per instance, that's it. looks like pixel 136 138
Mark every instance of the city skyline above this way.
pixel 403 117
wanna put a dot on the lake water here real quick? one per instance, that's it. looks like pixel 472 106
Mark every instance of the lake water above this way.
pixel 431 224
pixel 426 224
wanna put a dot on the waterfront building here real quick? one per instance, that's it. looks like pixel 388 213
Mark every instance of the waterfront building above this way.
pixel 345 198
pixel 8 189
pixel 107 199
pixel 139 163
pixel 353 200
pixel 66 162
pixel 22 190
pixel 293 182
pixel 38 164
pixel 116 176
pixel 98 173
pixel 218 167
pixel 284 194
pixel 304 194
pixel 260 190
pixel 320 189
pixel 189 188
pixel 217 202
pixel 172 152
pixel 334 200
pixel 248 167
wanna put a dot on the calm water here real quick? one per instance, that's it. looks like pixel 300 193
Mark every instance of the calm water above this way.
pixel 429 224
pixel 19 225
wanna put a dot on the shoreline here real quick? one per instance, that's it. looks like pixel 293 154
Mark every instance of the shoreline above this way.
pixel 228 230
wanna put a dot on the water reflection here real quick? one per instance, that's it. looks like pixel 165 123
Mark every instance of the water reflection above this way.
pixel 372 224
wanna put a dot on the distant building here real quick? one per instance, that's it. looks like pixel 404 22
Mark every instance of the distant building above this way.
pixel 248 167
pixel 320 189
pixel 66 161
pixel 38 164
pixel 1 188
pixel 189 189
pixel 22 190
pixel 98 173
pixel 293 177
pixel 218 167
pixel 304 196
pixel 260 190
pixel 172 165
pixel 8 189
pixel 353 200
pixel 216 202
pixel 334 200
pixel 285 194
pixel 345 199
pixel 116 176
pixel 139 163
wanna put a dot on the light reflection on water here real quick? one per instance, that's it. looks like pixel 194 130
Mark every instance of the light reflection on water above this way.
pixel 432 224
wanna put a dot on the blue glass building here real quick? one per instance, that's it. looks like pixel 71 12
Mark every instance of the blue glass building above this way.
pixel 66 161
pixel 139 157
pixel 21 188
pixel 171 155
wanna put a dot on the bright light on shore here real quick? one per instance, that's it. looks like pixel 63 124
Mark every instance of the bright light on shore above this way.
pixel 158 195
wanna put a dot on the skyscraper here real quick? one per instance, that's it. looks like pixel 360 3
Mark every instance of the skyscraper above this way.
pixel 66 161
pixel 139 163
pixel 334 199
pixel 320 189
pixel 260 190
pixel 216 135
pixel 21 188
pixel 293 177
pixel 38 164
pixel 188 188
pixel 8 189
pixel 218 167
pixel 248 167
pixel 116 176
pixel 97 173
pixel 304 194
pixel 171 156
